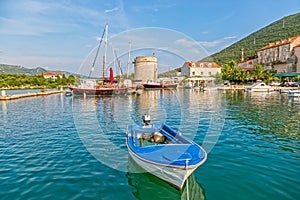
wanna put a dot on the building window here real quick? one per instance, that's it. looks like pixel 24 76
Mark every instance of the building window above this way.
pixel 193 73
pixel 209 73
pixel 284 54
pixel 201 73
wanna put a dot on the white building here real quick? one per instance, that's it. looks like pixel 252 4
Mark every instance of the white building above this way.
pixel 200 69
pixel 52 75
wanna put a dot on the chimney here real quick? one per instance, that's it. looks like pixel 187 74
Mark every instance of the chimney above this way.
pixel 243 58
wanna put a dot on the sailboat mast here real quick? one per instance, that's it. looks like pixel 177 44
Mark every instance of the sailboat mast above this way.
pixel 105 51
pixel 128 61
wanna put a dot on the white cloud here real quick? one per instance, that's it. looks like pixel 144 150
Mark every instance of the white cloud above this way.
pixel 219 44
pixel 36 18
pixel 210 44
pixel 153 6
pixel 229 37
pixel 112 10
pixel 185 42
pixel 64 63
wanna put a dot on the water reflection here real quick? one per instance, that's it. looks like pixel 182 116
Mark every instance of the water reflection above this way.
pixel 4 109
pixel 160 104
pixel 148 186
pixel 270 116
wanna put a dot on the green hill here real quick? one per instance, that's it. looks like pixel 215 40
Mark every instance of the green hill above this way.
pixel 284 28
pixel 13 69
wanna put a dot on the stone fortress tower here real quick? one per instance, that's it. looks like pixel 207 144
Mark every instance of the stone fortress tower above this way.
pixel 145 68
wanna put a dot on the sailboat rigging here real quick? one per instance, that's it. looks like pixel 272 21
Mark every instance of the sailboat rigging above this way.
pixel 93 66
pixel 100 87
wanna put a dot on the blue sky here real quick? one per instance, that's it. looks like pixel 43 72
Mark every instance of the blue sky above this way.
pixel 63 35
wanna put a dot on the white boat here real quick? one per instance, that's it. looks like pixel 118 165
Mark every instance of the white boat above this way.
pixel 259 87
pixel 159 84
pixel 294 93
pixel 210 88
pixel 142 181
pixel 284 90
pixel 163 152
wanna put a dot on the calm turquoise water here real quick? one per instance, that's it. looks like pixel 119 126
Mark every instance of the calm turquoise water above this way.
pixel 58 147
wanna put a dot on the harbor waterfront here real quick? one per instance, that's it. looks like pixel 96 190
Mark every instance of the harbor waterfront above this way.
pixel 51 147
pixel 5 97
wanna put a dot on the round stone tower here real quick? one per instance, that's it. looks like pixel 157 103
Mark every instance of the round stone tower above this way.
pixel 145 68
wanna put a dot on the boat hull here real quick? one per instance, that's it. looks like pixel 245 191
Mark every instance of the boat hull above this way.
pixel 259 87
pixel 174 176
pixel 261 90
pixel 160 86
pixel 99 91
pixel 294 93
pixel 172 159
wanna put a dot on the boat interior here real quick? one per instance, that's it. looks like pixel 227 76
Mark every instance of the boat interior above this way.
pixel 152 136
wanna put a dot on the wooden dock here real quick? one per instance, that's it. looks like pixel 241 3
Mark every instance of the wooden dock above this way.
pixel 19 96
pixel 233 87
pixel 243 87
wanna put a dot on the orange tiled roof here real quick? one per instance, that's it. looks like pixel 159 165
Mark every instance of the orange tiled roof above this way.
pixel 298 45
pixel 279 43
pixel 51 74
pixel 204 64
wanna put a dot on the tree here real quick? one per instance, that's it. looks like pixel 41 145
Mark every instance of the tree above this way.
pixel 227 70
pixel 218 78
pixel 64 80
pixel 297 78
pixel 258 72
pixel 71 79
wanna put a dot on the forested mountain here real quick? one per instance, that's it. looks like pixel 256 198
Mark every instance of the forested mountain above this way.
pixel 282 29
pixel 13 69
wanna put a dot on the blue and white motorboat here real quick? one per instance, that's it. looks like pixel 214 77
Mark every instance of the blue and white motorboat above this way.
pixel 163 152
pixel 259 86
pixel 294 93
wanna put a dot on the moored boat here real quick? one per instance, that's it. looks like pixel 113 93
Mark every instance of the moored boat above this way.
pixel 210 88
pixel 163 152
pixel 103 86
pixel 95 87
pixel 68 93
pixel 259 86
pixel 155 84
pixel 294 93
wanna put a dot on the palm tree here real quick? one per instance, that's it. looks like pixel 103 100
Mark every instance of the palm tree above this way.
pixel 244 76
pixel 258 72
pixel 227 70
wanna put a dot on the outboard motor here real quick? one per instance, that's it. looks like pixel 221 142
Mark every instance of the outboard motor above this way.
pixel 146 119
